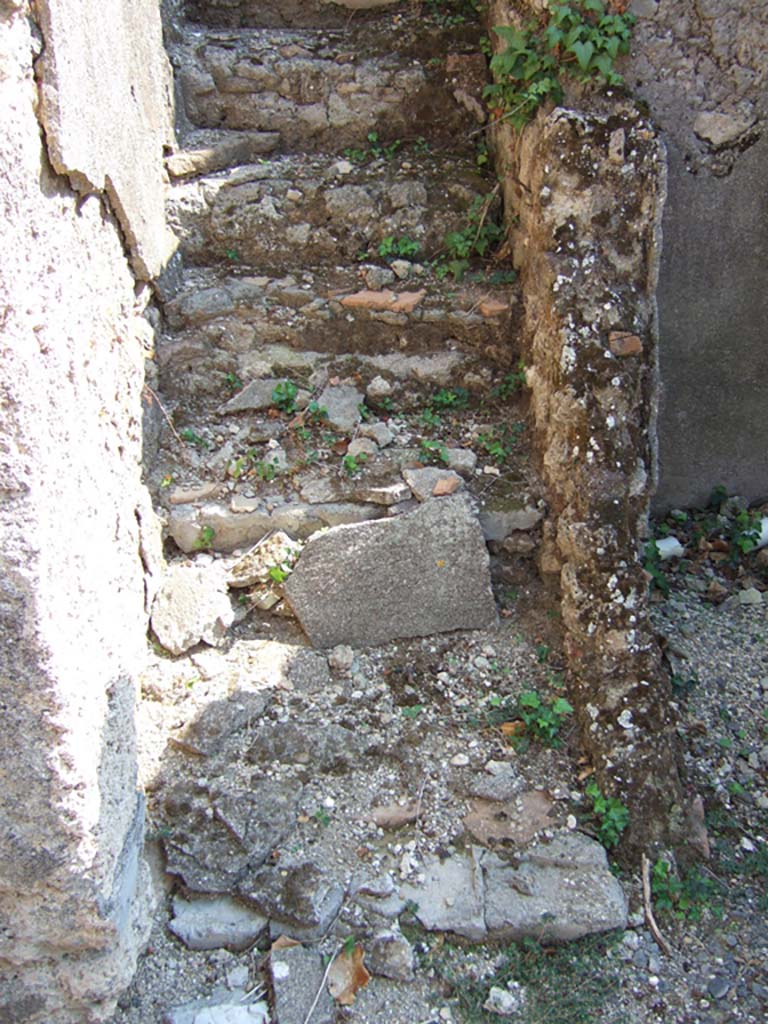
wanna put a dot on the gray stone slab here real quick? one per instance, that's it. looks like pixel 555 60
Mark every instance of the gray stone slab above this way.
pixel 560 890
pixel 297 977
pixel 301 900
pixel 216 923
pixel 424 481
pixel 416 574
pixel 225 1008
pixel 342 403
pixel 254 397
pixel 452 897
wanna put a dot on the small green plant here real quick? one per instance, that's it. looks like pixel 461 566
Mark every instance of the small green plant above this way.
pixel 430 419
pixel 530 717
pixel 451 398
pixel 205 538
pixel 413 711
pixel 348 946
pixel 543 652
pixel 284 396
pixel 189 435
pixel 652 565
pixel 580 39
pixel 480 234
pixel 280 571
pixel 511 383
pixel 684 895
pixel 376 150
pixel 434 451
pixel 499 447
pixel 233 382
pixel 391 248
pixel 266 471
pixel 353 464
pixel 452 13
pixel 543 720
pixel 322 817
pixel 744 534
pixel 232 255
pixel 611 814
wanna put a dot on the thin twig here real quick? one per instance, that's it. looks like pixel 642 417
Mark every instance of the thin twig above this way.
pixel 650 919
pixel 165 414
pixel 419 799
pixel 322 985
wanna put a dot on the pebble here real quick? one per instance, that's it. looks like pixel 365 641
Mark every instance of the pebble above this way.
pixel 460 761
pixel 719 987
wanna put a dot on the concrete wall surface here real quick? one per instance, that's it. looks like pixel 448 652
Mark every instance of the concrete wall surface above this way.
pixel 702 67
pixel 74 903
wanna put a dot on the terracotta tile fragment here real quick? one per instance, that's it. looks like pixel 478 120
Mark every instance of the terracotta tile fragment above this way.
pixel 624 343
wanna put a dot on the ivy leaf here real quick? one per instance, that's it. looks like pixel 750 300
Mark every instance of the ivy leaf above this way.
pixel 603 63
pixel 594 5
pixel 583 53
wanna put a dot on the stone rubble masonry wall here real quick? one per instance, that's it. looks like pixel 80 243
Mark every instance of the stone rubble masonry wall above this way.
pixel 702 68
pixel 74 894
pixel 588 188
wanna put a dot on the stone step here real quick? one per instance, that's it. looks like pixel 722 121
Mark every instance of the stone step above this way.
pixel 291 13
pixel 319 90
pixel 205 151
pixel 283 212
pixel 241 484
pixel 233 323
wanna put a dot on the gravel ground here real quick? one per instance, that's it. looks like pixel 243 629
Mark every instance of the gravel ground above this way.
pixel 717 967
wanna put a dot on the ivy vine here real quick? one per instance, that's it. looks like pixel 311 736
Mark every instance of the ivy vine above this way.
pixel 581 40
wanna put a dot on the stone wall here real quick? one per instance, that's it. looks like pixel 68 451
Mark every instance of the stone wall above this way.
pixel 73 888
pixel 587 188
pixel 702 67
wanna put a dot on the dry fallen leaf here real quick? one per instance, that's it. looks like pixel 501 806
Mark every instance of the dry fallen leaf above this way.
pixel 512 728
pixel 283 942
pixel 347 975
pixel 585 773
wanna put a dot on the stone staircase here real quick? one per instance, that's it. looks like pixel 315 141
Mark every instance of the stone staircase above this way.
pixel 322 340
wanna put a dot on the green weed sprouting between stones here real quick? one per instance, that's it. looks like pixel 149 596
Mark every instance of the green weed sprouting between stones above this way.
pixel 391 248
pixel 204 540
pixel 581 40
pixel 611 814
pixel 284 396
pixel 684 895
pixel 541 719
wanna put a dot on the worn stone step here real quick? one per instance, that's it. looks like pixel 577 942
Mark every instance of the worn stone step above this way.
pixel 319 90
pixel 283 212
pixel 225 513
pixel 224 326
pixel 288 13
pixel 205 151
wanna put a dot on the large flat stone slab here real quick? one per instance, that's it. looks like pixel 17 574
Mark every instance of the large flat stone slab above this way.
pixel 420 573
pixel 559 890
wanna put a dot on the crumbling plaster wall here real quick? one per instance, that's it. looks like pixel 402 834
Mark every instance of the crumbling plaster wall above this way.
pixel 84 109
pixel 702 67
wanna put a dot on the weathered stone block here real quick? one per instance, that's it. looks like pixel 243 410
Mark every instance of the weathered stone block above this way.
pixel 420 573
